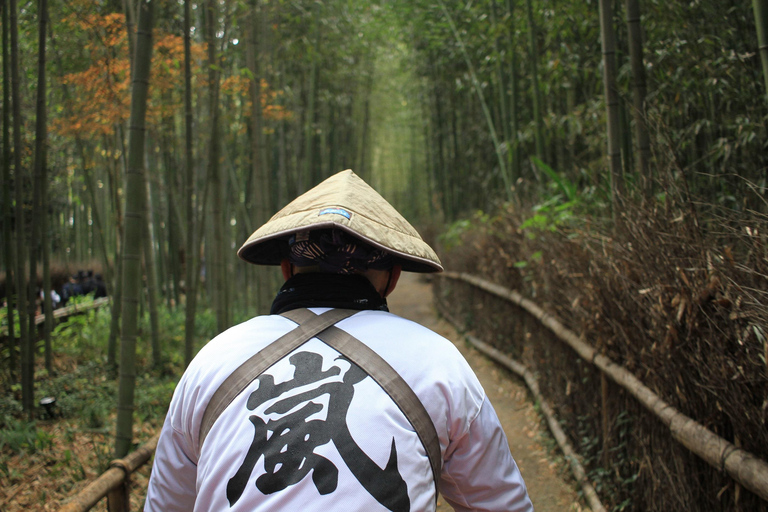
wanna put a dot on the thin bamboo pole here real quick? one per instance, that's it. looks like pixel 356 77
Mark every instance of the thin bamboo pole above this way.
pixel 135 229
pixel 535 90
pixel 27 366
pixel 639 91
pixel 761 24
pixel 608 44
pixel 8 246
pixel 191 250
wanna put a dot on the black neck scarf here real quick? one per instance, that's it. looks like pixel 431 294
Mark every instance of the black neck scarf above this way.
pixel 328 290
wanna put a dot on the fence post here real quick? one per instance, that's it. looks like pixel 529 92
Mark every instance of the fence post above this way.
pixel 118 499
pixel 606 420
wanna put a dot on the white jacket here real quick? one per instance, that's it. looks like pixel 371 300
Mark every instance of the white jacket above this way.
pixel 314 434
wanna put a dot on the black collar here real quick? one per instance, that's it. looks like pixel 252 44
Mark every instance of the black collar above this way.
pixel 328 290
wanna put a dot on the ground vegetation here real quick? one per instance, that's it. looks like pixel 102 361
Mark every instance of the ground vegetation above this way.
pixel 49 458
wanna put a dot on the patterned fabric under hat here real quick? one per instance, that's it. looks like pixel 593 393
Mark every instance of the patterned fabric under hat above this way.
pixel 334 251
pixel 342 202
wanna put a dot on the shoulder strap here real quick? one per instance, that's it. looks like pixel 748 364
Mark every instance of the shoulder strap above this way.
pixel 259 362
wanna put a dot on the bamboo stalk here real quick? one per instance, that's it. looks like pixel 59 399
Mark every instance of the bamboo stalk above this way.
pixel 605 417
pixel 112 478
pixel 639 92
pixel 133 235
pixel 745 468
pixel 760 8
pixel 608 45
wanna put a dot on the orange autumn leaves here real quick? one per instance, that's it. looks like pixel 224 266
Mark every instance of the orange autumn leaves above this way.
pixel 99 96
pixel 239 87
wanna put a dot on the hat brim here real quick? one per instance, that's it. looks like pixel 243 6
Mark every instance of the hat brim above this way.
pixel 273 248
pixel 344 202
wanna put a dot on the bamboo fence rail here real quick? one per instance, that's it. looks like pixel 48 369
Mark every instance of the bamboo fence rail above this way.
pixel 113 483
pixel 744 467
pixel 66 311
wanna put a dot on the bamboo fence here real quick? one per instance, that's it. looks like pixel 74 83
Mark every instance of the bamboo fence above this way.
pixel 113 484
pixel 66 311
pixel 744 467
pixel 562 440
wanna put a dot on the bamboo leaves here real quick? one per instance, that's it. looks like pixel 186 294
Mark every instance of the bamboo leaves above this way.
pixel 478 90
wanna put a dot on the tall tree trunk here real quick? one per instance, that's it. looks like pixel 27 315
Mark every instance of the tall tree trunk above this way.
pixel 440 158
pixel 47 286
pixel 260 173
pixel 135 225
pixel 513 112
pixel 117 309
pixel 500 77
pixel 169 234
pixel 306 178
pixel 282 158
pixel 535 92
pixel 130 17
pixel 217 221
pixel 41 171
pixel 8 255
pixel 761 23
pixel 608 44
pixel 168 250
pixel 191 257
pixel 21 286
pixel 117 296
pixel 261 192
pixel 150 271
pixel 639 94
pixel 455 179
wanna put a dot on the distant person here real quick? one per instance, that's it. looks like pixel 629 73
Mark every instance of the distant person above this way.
pixel 73 288
pixel 55 299
pixel 99 286
pixel 369 414
pixel 87 282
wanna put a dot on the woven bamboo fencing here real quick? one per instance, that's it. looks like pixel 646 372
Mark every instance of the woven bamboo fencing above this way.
pixel 743 467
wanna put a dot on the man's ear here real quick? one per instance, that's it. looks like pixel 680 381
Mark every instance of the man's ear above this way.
pixel 287 269
pixel 394 276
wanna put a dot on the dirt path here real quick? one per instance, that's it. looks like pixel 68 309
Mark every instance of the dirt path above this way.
pixel 550 490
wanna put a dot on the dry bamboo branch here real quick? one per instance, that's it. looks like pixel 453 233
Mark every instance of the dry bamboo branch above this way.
pixel 110 479
pixel 745 468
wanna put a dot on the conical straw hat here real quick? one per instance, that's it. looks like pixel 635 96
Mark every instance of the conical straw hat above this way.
pixel 343 201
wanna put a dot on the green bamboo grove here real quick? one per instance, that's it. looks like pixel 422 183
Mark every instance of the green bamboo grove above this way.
pixel 152 150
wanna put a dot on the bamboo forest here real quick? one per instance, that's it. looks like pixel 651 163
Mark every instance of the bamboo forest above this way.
pixel 599 164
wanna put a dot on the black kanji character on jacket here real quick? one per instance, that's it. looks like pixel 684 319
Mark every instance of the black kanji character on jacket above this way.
pixel 288 442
